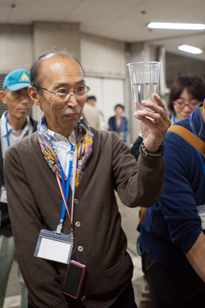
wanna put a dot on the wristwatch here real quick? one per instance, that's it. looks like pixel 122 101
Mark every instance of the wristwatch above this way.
pixel 158 153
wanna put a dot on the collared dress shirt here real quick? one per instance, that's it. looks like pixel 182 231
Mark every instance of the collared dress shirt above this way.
pixel 63 146
pixel 13 138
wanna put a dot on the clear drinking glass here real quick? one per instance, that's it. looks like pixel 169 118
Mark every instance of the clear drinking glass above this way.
pixel 144 78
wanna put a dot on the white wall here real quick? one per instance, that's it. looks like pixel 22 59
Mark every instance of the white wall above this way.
pixel 15 47
pixel 60 35
pixel 102 57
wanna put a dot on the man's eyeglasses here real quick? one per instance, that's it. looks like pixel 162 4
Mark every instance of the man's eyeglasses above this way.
pixel 62 93
pixel 182 104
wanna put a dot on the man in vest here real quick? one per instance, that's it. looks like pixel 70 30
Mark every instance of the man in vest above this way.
pixel 15 124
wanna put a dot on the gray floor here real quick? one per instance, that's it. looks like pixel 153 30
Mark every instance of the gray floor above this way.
pixel 129 223
pixel 13 289
pixel 130 217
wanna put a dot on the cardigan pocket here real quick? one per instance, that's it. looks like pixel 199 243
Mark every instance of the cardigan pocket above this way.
pixel 114 269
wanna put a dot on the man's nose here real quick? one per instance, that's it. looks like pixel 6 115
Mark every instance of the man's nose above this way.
pixel 25 99
pixel 71 100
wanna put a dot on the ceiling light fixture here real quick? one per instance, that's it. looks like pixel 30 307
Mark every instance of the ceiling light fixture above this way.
pixel 190 49
pixel 175 26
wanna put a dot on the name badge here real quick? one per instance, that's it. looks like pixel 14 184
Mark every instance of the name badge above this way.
pixel 54 247
pixel 3 194
pixel 201 212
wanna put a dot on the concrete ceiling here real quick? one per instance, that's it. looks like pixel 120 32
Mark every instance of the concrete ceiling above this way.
pixel 123 20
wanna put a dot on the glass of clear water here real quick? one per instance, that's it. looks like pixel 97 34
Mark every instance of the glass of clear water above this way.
pixel 144 78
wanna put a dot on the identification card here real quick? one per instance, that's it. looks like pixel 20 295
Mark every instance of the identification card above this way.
pixel 201 212
pixel 3 194
pixel 53 246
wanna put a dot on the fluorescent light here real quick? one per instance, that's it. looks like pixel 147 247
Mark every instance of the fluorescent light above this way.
pixel 190 49
pixel 175 26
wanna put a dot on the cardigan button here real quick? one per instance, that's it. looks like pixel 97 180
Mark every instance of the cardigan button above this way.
pixel 83 298
pixel 78 224
pixel 80 248
pixel 76 200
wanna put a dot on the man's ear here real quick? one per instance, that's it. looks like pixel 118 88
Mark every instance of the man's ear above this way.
pixel 3 97
pixel 32 92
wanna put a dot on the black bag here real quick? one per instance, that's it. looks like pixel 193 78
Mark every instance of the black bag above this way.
pixel 5 224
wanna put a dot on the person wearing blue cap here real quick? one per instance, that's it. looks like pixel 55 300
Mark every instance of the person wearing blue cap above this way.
pixel 15 124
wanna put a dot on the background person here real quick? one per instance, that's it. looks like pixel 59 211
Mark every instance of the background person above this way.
pixel 103 166
pixel 92 100
pixel 185 94
pixel 119 123
pixel 92 115
pixel 172 235
pixel 15 124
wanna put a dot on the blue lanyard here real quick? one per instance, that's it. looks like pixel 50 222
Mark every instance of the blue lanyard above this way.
pixel 7 131
pixel 200 156
pixel 65 186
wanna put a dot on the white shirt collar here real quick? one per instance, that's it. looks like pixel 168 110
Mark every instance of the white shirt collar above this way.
pixel 58 137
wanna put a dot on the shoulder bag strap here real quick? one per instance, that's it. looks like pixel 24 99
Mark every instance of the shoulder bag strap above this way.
pixel 187 135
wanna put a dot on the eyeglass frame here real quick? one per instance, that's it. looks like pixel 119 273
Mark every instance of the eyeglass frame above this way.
pixel 56 94
pixel 184 104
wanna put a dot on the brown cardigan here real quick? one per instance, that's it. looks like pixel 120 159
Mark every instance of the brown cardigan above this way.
pixel 34 202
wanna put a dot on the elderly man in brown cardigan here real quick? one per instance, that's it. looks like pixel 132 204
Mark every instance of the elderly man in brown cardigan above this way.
pixel 67 165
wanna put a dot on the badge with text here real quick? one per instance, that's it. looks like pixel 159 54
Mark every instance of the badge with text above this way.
pixel 54 247
pixel 3 194
pixel 201 212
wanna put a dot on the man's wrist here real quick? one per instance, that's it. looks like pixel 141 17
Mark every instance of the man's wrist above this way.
pixel 157 153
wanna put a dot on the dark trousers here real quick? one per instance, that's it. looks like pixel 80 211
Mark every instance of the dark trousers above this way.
pixel 171 289
pixel 125 300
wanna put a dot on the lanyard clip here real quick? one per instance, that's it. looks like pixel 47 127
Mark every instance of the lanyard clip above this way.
pixel 59 228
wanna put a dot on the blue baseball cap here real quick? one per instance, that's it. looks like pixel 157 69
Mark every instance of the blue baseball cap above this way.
pixel 17 79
